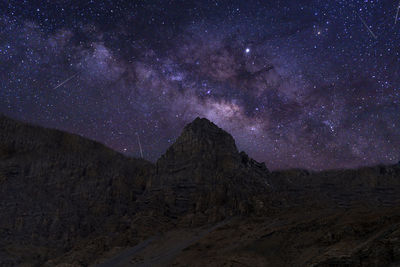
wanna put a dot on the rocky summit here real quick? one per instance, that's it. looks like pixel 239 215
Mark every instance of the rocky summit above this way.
pixel 69 201
pixel 203 177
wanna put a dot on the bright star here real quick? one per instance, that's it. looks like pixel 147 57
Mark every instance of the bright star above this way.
pixel 247 50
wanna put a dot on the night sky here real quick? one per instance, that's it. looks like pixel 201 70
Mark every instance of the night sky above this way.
pixel 297 83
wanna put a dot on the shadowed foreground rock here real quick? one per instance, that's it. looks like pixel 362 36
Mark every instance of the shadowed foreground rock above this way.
pixel 65 199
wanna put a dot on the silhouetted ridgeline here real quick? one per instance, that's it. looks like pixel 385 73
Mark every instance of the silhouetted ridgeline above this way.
pixel 67 199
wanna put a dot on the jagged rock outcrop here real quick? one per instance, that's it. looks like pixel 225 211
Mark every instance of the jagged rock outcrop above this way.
pixel 203 176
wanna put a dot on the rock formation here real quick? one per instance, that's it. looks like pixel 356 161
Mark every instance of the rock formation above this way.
pixel 67 199
pixel 204 177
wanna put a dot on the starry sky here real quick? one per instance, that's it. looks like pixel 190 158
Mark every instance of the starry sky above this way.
pixel 311 84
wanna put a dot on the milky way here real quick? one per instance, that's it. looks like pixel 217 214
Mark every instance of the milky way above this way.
pixel 297 83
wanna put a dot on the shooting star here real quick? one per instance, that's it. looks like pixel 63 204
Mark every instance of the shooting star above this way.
pixel 64 82
pixel 140 145
pixel 366 26
pixel 397 13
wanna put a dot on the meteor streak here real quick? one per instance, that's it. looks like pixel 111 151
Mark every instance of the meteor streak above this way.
pixel 67 80
pixel 140 145
pixel 366 26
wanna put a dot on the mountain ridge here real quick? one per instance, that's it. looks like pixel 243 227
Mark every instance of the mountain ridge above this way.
pixel 67 199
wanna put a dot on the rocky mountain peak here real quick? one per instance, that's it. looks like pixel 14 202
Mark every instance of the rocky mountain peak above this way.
pixel 203 128
pixel 203 175
pixel 202 143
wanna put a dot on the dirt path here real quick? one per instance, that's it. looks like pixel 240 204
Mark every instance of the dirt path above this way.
pixel 160 250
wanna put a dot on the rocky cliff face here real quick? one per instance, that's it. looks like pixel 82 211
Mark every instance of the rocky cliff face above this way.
pixel 203 176
pixel 58 188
